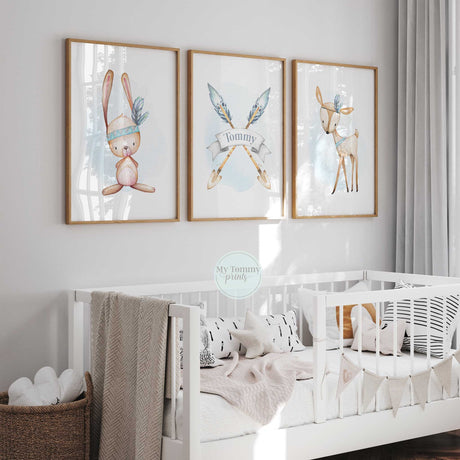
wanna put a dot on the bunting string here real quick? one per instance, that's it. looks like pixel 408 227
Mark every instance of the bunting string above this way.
pixel 396 385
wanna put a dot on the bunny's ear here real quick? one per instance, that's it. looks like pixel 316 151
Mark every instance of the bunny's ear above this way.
pixel 106 90
pixel 127 88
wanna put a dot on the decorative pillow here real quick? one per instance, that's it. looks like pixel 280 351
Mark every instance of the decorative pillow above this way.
pixel 256 337
pixel 282 328
pixel 440 341
pixel 222 342
pixel 333 316
pixel 207 358
pixel 369 337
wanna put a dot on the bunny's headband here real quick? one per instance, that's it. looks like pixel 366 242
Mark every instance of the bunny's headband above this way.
pixel 122 132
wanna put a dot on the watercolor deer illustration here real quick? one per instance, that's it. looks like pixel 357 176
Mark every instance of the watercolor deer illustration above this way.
pixel 346 146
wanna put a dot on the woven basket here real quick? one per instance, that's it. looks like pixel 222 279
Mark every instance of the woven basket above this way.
pixel 46 432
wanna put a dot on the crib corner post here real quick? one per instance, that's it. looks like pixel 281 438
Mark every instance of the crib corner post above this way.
pixel 76 336
pixel 319 357
pixel 191 384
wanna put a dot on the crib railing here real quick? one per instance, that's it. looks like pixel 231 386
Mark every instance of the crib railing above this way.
pixel 276 295
pixel 440 288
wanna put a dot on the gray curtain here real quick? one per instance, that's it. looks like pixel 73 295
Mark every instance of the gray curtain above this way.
pixel 422 207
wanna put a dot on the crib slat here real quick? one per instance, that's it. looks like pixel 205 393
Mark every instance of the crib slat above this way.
pixel 300 316
pixel 269 306
pixel 284 299
pixel 428 345
pixel 377 352
pixel 172 354
pixel 360 352
pixel 395 343
pixel 445 346
pixel 319 358
pixel 457 335
pixel 217 304
pixel 412 338
pixel 341 352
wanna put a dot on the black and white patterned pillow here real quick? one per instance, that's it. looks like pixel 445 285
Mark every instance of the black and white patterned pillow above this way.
pixel 207 357
pixel 222 342
pixel 440 338
pixel 282 327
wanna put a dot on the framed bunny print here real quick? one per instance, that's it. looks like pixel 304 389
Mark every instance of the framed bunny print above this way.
pixel 122 133
pixel 334 140
pixel 236 136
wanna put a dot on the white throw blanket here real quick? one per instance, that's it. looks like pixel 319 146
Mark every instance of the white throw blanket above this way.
pixel 129 343
pixel 258 387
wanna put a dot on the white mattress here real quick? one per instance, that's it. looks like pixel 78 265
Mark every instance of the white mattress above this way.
pixel 220 420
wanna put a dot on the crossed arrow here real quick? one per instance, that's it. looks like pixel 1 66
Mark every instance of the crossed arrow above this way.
pixel 255 113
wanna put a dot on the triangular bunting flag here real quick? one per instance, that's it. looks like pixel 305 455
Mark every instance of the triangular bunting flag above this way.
pixel 443 371
pixel 396 387
pixel 420 385
pixel 457 355
pixel 371 383
pixel 348 371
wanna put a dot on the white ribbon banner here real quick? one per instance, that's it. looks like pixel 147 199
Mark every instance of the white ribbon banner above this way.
pixel 239 136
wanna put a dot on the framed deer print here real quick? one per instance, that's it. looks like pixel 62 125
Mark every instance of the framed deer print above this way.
pixel 236 136
pixel 122 138
pixel 334 140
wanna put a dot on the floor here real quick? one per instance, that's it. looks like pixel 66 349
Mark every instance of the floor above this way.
pixel 445 446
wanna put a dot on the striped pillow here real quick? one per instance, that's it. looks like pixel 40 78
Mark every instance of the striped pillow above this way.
pixel 440 338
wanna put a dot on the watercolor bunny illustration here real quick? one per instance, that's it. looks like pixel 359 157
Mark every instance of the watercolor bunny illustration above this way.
pixel 123 137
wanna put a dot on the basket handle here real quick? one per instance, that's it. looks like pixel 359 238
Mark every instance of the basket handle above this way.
pixel 89 387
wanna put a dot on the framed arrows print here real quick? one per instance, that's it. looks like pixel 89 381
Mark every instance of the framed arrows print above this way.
pixel 236 136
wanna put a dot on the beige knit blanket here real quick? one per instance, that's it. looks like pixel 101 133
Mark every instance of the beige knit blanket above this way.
pixel 128 361
pixel 258 387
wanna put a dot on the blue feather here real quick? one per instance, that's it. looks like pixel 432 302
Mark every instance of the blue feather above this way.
pixel 136 113
pixel 260 104
pixel 219 105
pixel 337 103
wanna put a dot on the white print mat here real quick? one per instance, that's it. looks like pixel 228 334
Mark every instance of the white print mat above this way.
pixel 220 420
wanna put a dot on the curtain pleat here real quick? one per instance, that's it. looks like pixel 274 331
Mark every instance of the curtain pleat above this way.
pixel 421 228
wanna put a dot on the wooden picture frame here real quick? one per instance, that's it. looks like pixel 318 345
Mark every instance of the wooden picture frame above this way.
pixel 253 187
pixel 104 79
pixel 319 185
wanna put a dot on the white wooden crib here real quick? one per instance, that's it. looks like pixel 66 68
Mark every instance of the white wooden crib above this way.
pixel 323 437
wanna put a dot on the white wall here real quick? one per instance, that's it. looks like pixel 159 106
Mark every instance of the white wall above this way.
pixel 41 257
